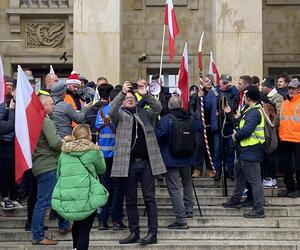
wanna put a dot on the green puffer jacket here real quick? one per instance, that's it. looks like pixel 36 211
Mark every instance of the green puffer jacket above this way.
pixel 78 192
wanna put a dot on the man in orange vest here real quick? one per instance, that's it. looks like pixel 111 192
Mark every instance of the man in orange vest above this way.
pixel 289 134
pixel 73 85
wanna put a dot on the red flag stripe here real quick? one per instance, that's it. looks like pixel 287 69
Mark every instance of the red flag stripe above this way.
pixel 183 82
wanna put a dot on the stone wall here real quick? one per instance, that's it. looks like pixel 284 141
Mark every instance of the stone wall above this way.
pixel 281 36
pixel 142 25
pixel 32 34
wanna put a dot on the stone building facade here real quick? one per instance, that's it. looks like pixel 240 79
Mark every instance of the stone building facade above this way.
pixel 108 37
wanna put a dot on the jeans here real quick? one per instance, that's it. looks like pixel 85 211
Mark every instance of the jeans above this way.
pixel 228 154
pixel 81 232
pixel 116 195
pixel 181 205
pixel 140 171
pixel 200 147
pixel 250 171
pixel 45 183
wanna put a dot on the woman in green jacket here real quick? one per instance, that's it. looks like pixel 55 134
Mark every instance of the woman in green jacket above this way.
pixel 78 192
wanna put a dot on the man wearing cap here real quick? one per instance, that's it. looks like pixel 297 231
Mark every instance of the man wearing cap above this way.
pixel 225 91
pixel 268 88
pixel 64 114
pixel 73 86
pixel 289 134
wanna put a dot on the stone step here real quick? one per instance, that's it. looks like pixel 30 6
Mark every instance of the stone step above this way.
pixel 213 191
pixel 206 211
pixel 163 200
pixel 210 182
pixel 166 234
pixel 196 222
pixel 167 245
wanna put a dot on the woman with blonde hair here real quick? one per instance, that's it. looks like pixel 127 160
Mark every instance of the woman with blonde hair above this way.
pixel 78 192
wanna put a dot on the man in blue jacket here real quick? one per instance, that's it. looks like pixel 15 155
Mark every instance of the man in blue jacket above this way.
pixel 178 167
pixel 225 90
pixel 249 138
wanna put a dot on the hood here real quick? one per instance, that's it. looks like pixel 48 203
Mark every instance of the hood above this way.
pixel 180 113
pixel 78 147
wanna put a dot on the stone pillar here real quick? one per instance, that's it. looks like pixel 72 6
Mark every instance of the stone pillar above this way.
pixel 97 33
pixel 237 37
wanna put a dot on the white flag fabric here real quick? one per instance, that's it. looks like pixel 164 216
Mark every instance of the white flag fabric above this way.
pixel 30 115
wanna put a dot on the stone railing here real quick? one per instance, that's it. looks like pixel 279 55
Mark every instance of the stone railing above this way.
pixel 42 9
pixel 44 3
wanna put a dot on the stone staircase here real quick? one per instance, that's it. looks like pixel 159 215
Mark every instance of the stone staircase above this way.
pixel 218 229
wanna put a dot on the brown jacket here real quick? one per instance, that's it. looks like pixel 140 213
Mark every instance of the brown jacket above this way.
pixel 124 122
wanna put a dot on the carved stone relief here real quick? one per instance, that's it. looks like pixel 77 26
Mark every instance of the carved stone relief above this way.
pixel 50 35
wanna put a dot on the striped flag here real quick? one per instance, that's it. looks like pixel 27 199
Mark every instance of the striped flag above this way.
pixel 171 22
pixel 2 83
pixel 213 69
pixel 200 64
pixel 183 82
pixel 30 115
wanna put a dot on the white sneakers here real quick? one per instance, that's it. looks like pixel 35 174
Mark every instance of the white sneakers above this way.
pixel 7 204
pixel 270 183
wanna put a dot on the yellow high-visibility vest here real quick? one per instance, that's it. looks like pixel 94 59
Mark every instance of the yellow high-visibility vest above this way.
pixel 258 136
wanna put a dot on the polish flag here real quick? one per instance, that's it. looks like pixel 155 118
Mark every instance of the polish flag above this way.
pixel 200 65
pixel 213 69
pixel 30 115
pixel 171 22
pixel 2 83
pixel 183 82
pixel 52 70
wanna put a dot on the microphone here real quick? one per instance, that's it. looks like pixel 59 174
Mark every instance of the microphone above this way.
pixel 63 56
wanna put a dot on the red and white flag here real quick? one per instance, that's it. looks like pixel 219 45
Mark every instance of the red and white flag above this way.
pixel 200 65
pixel 183 81
pixel 171 22
pixel 2 83
pixel 213 69
pixel 30 115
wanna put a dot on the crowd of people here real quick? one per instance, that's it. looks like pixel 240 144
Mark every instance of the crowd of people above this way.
pixel 99 141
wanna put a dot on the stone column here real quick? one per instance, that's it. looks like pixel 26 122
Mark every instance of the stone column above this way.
pixel 97 33
pixel 237 37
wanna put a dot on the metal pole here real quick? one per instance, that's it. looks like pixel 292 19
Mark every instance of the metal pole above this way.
pixel 162 53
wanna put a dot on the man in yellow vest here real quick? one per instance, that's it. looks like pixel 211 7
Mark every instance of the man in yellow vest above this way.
pixel 249 137
pixel 289 134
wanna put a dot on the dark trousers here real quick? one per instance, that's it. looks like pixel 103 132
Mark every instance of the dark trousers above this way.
pixel 200 146
pixel 116 195
pixel 176 179
pixel 250 171
pixel 288 149
pixel 7 171
pixel 268 166
pixel 140 171
pixel 81 232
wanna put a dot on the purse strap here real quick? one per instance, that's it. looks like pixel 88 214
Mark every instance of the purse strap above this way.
pixel 86 168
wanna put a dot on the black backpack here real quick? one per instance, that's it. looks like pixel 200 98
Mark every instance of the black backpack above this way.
pixel 183 137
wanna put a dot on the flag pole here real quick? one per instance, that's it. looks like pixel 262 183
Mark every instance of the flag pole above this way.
pixel 162 53
pixel 202 113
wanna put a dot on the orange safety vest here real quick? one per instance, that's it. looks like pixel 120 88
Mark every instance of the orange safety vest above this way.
pixel 68 98
pixel 289 126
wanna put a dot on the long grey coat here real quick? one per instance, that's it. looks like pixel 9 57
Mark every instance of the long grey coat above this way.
pixel 124 121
